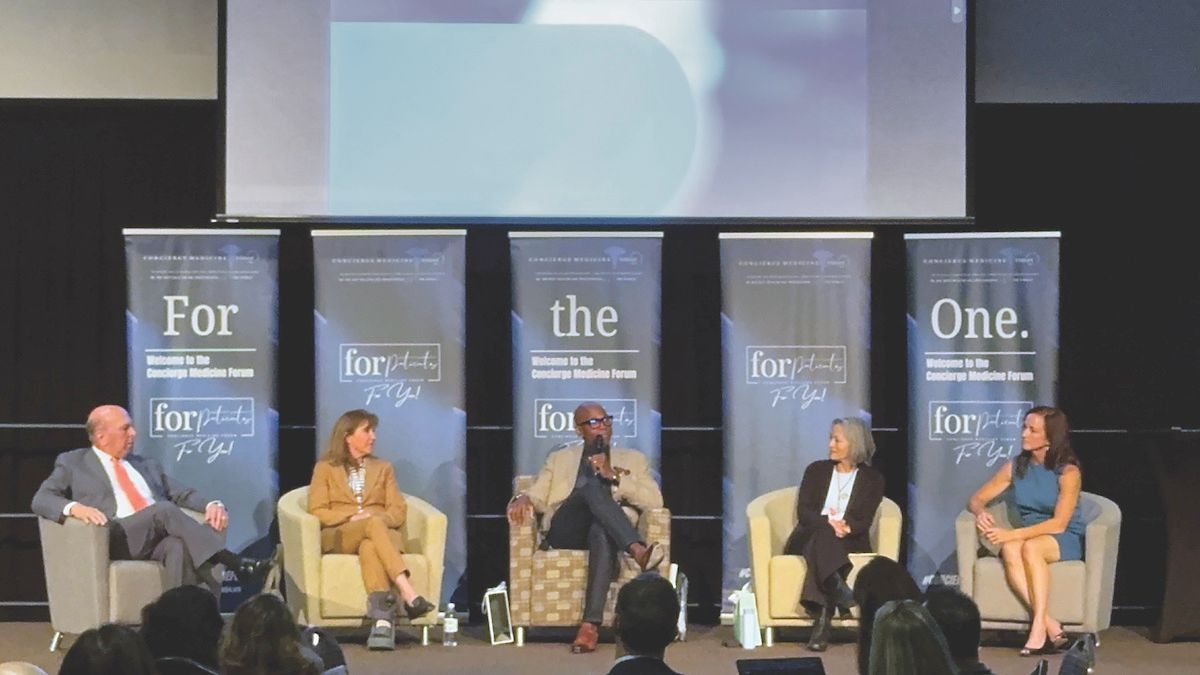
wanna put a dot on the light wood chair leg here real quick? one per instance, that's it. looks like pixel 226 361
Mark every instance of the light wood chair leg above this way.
pixel 520 636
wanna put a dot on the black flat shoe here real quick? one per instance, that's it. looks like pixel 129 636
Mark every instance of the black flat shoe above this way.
pixel 1046 648
pixel 251 570
pixel 1059 641
pixel 419 607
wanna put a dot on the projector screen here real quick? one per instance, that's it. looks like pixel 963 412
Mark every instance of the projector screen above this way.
pixel 595 108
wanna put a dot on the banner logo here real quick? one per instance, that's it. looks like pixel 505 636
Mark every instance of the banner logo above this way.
pixel 385 362
pixel 969 420
pixel 207 426
pixel 555 417
pixel 618 255
pixel 185 417
pixel 774 364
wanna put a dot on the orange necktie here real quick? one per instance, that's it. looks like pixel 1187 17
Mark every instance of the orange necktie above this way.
pixel 131 492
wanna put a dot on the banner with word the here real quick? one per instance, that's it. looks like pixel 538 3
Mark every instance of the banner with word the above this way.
pixel 982 350
pixel 389 320
pixel 796 335
pixel 202 331
pixel 586 309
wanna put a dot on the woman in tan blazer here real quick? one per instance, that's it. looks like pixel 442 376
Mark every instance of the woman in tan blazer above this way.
pixel 355 497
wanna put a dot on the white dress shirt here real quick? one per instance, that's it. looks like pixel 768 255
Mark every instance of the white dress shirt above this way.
pixel 124 507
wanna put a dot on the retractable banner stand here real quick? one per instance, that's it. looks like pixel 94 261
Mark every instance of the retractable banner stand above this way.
pixel 982 350
pixel 202 331
pixel 389 331
pixel 796 334
pixel 586 309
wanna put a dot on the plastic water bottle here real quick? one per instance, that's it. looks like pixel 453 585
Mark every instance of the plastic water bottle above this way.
pixel 450 627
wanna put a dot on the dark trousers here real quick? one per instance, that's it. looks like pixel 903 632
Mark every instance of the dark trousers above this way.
pixel 163 532
pixel 824 554
pixel 589 519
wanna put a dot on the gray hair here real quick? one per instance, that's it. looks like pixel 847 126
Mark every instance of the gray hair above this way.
pixel 858 435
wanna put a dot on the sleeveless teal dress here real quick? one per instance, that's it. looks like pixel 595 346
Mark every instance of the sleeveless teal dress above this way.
pixel 1035 496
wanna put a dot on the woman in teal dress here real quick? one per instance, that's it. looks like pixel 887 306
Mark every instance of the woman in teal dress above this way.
pixel 1046 482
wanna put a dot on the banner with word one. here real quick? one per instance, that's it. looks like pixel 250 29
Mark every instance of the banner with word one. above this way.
pixel 982 350
pixel 202 328
pixel 389 332
pixel 585 328
pixel 796 335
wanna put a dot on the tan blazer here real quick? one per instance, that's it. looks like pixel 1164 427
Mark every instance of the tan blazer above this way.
pixel 332 501
pixel 555 481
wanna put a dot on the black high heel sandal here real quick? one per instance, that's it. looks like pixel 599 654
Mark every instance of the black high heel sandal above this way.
pixel 1046 648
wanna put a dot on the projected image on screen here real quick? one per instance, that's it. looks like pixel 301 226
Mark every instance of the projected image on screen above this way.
pixel 594 108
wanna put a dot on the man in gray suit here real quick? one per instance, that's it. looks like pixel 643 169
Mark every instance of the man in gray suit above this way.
pixel 133 497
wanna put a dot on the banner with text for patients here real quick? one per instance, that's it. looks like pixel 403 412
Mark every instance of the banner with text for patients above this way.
pixel 796 335
pixel 389 339
pixel 202 332
pixel 586 309
pixel 982 350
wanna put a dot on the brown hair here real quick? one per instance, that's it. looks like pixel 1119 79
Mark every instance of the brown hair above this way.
pixel 263 639
pixel 336 451
pixel 1058 432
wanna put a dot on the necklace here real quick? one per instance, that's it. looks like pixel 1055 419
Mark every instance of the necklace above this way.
pixel 358 476
pixel 844 485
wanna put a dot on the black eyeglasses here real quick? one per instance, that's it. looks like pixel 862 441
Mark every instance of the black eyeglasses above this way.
pixel 596 422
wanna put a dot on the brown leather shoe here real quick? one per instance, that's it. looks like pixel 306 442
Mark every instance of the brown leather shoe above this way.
pixel 647 557
pixel 586 638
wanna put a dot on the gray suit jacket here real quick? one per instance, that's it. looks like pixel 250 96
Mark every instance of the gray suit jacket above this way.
pixel 79 477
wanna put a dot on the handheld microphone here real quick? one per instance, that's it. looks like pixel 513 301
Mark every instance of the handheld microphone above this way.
pixel 597 447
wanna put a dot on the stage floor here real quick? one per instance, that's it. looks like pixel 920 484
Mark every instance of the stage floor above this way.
pixel 1123 650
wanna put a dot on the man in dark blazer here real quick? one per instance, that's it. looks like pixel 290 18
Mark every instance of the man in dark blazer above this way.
pixel 137 501
pixel 646 621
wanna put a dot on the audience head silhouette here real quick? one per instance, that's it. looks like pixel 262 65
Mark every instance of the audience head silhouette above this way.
pixel 879 581
pixel 108 650
pixel 907 641
pixel 184 622
pixel 958 617
pixel 263 639
pixel 647 614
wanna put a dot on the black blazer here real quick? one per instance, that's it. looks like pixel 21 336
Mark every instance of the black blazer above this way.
pixel 79 477
pixel 860 510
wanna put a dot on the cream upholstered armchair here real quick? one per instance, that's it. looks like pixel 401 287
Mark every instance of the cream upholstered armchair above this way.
pixel 86 588
pixel 1081 591
pixel 327 589
pixel 778 578
pixel 546 588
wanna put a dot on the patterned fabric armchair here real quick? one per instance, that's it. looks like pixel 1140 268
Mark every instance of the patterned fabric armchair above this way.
pixel 546 588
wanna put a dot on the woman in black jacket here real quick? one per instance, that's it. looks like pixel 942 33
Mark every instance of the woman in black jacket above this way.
pixel 834 510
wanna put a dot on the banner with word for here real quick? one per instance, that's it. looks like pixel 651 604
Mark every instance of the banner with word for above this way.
pixel 585 328
pixel 389 332
pixel 982 350
pixel 202 331
pixel 796 335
